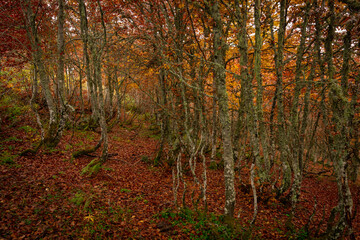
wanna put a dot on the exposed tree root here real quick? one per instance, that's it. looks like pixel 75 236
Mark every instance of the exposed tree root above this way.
pixel 87 151
pixel 93 167
pixel 31 151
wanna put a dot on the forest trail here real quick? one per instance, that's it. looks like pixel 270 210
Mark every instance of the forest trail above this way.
pixel 45 196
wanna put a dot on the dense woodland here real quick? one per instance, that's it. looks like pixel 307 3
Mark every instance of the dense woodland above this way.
pixel 240 110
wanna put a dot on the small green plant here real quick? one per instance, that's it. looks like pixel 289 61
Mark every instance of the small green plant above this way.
pixel 13 108
pixel 12 139
pixel 80 144
pixel 108 169
pixel 213 165
pixel 155 136
pixel 145 159
pixel 53 197
pixel 82 199
pixel 302 234
pixel 140 198
pixel 78 199
pixel 89 137
pixel 200 225
pixel 37 210
pixel 117 138
pixel 92 168
pixel 27 221
pixel 50 150
pixel 27 129
pixel 11 148
pixel 167 213
pixel 124 190
pixel 218 154
pixel 216 165
pixel 7 159
pixel 68 147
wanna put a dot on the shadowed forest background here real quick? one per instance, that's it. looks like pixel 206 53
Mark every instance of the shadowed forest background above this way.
pixel 179 119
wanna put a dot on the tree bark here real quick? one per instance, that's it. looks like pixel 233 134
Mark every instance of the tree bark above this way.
pixel 220 48
pixel 297 157
pixel 338 142
pixel 37 54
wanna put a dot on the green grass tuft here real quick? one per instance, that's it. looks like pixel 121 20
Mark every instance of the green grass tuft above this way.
pixel 8 159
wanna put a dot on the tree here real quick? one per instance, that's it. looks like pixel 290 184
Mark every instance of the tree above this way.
pixel 219 48
pixel 50 139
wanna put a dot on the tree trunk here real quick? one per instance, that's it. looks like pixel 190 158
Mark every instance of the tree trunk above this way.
pixel 90 81
pixel 44 78
pixel 259 94
pixel 60 76
pixel 296 139
pixel 338 141
pixel 220 48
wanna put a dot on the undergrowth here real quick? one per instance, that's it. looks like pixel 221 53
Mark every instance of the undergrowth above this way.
pixel 7 159
pixel 11 109
pixel 201 225
pixel 98 218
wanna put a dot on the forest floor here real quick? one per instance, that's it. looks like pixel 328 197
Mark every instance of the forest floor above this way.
pixel 45 196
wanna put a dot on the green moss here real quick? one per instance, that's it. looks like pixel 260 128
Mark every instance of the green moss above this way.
pixel 216 165
pixel 201 225
pixel 12 139
pixel 68 147
pixel 108 169
pixel 117 138
pixel 92 168
pixel 156 137
pixel 8 159
pixel 145 159
pixel 78 199
pixel 125 190
pixel 82 152
pixel 27 129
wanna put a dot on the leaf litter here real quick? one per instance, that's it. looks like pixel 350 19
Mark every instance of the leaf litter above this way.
pixel 44 196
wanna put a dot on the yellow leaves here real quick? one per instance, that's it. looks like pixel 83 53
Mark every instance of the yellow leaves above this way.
pixel 166 66
pixel 89 218
pixel 36 138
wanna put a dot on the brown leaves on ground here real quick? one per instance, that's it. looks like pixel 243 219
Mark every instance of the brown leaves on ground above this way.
pixel 44 196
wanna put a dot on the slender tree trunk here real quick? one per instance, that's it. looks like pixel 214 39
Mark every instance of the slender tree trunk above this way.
pixel 34 92
pixel 259 94
pixel 90 81
pixel 246 84
pixel 103 125
pixel 294 116
pixel 214 125
pixel 220 48
pixel 60 76
pixel 339 150
pixel 279 98
pixel 44 78
pixel 164 117
pixel 82 106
